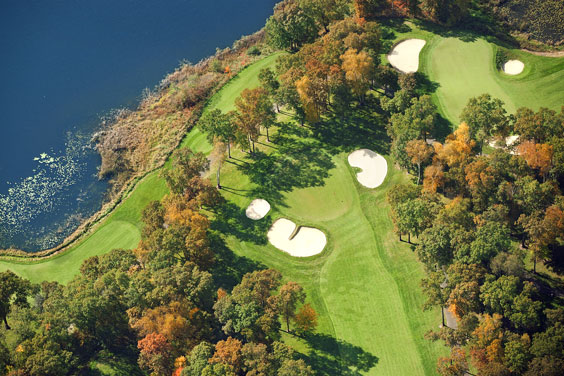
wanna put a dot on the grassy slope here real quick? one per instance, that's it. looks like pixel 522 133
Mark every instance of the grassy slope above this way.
pixel 122 228
pixel 467 69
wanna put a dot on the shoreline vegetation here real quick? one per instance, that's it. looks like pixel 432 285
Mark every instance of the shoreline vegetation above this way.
pixel 173 106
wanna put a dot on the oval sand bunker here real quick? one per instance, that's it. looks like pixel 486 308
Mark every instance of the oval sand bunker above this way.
pixel 257 209
pixel 298 242
pixel 405 55
pixel 513 67
pixel 374 167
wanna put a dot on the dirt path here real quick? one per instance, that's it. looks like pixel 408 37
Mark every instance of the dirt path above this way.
pixel 546 54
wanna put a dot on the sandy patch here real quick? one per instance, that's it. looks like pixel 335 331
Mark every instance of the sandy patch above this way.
pixel 513 67
pixel 374 167
pixel 405 55
pixel 257 209
pixel 509 143
pixel 298 242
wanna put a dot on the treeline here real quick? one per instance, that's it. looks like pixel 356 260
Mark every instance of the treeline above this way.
pixel 488 202
pixel 158 308
pixel 536 20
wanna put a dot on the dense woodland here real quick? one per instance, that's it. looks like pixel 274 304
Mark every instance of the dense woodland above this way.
pixel 481 218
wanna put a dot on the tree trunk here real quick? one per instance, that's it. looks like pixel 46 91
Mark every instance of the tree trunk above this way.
pixel 409 237
pixel 443 315
pixel 218 176
pixel 253 141
pixel 267 135
pixel 288 323
pixel 418 173
pixel 229 149
pixel 277 107
pixel 6 323
pixel 400 237
pixel 535 264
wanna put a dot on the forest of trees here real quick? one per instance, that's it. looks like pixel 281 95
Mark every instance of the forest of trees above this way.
pixel 476 215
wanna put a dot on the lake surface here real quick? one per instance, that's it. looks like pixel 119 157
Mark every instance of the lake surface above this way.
pixel 64 65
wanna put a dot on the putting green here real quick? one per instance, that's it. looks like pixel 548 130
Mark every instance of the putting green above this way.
pixel 467 69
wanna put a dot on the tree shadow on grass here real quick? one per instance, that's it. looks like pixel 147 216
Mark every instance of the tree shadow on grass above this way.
pixel 299 161
pixel 230 219
pixel 229 268
pixel 359 127
pixel 330 356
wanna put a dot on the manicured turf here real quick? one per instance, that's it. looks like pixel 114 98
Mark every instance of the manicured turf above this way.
pixel 463 66
pixel 365 284
pixel 467 69
pixel 122 228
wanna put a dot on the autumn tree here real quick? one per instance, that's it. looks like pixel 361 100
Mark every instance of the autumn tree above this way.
pixel 538 156
pixel 155 355
pixel 306 319
pixel 324 12
pixel 14 291
pixel 358 67
pixel 254 110
pixel 367 9
pixel 228 352
pixel 395 197
pixel 419 152
pixel 290 296
pixel 538 127
pixel 454 365
pixel 268 80
pixel 186 165
pixel 290 26
pixel 218 127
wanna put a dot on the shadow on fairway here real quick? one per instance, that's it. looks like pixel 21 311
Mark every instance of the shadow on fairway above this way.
pixel 231 220
pixel 331 356
pixel 299 161
pixel 359 127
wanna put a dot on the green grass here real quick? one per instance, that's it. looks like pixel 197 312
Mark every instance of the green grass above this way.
pixel 467 69
pixel 122 229
pixel 462 64
pixel 365 284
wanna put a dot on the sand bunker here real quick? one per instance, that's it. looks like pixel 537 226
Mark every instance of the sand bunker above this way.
pixel 509 142
pixel 405 55
pixel 374 167
pixel 257 209
pixel 513 67
pixel 297 241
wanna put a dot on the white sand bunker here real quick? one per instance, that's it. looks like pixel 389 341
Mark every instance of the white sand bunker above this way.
pixel 405 55
pixel 374 167
pixel 297 241
pixel 257 209
pixel 513 67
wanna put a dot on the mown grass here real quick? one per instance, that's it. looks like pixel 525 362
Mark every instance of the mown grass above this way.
pixel 462 65
pixel 122 229
pixel 365 285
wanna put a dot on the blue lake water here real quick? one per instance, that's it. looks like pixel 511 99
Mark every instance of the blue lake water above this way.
pixel 66 63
